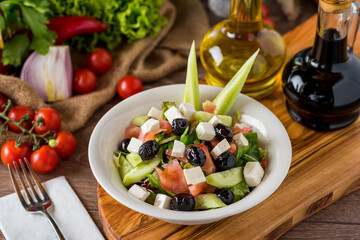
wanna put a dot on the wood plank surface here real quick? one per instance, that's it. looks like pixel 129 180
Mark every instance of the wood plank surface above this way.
pixel 325 167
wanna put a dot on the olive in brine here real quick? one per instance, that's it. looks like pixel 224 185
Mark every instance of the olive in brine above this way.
pixel 222 132
pixel 183 202
pixel 149 149
pixel 124 144
pixel 225 195
pixel 225 161
pixel 179 126
pixel 196 156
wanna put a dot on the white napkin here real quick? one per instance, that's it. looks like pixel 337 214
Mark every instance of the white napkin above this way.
pixel 67 211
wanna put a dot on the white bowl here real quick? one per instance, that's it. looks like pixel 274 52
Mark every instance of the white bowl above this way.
pixel 110 131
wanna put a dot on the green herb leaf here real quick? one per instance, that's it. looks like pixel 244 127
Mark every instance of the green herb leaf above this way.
pixel 253 154
pixel 15 49
pixel 2 23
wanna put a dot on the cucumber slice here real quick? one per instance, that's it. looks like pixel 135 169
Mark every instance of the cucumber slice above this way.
pixel 192 93
pixel 134 159
pixel 124 166
pixel 139 121
pixel 202 116
pixel 208 201
pixel 226 98
pixel 225 179
pixel 225 119
pixel 141 171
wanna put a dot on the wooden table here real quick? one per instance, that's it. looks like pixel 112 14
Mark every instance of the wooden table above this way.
pixel 338 221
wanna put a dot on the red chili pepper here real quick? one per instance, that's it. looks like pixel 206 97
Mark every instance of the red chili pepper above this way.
pixel 70 26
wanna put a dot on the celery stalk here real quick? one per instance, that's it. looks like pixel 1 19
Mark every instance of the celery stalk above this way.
pixel 226 98
pixel 192 94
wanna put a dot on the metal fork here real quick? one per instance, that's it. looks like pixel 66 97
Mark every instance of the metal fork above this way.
pixel 35 204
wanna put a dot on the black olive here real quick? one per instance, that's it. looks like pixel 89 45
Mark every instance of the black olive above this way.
pixel 225 195
pixel 225 161
pixel 124 144
pixel 149 149
pixel 179 126
pixel 183 202
pixel 196 156
pixel 222 132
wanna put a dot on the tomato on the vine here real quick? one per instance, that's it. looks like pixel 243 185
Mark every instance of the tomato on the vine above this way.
pixel 265 11
pixel 50 121
pixel 18 112
pixel 65 144
pixel 269 21
pixel 10 153
pixel 44 160
pixel 2 102
pixel 128 86
pixel 85 81
pixel 99 60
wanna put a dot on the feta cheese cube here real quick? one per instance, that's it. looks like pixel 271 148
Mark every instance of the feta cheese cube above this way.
pixel 150 125
pixel 187 110
pixel 241 125
pixel 139 192
pixel 214 120
pixel 155 113
pixel 162 201
pixel 178 149
pixel 172 114
pixel 221 147
pixel 253 173
pixel 134 145
pixel 240 140
pixel 205 131
pixel 194 175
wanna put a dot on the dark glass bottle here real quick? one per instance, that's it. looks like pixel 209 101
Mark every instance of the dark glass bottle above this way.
pixel 322 83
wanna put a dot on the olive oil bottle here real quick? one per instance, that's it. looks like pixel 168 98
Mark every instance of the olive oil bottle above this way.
pixel 227 46
pixel 322 83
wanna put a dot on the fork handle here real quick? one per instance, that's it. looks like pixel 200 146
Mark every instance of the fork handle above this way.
pixel 54 226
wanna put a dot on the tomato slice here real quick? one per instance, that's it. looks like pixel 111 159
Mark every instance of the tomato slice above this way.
pixel 150 135
pixel 209 107
pixel 264 163
pixel 197 188
pixel 236 130
pixel 165 125
pixel 173 178
pixel 168 152
pixel 132 131
pixel 232 148
pixel 209 166
pixel 209 189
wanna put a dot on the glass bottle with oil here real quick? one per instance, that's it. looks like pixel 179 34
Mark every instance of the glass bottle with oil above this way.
pixel 227 45
pixel 322 83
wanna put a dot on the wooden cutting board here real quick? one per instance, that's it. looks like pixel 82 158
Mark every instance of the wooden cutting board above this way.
pixel 325 167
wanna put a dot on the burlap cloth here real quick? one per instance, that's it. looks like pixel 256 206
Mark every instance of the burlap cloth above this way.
pixel 149 59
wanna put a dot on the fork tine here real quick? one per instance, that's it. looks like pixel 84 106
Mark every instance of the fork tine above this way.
pixel 33 175
pixel 23 183
pixel 16 187
pixel 29 182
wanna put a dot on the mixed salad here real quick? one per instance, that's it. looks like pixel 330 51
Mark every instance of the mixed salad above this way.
pixel 185 159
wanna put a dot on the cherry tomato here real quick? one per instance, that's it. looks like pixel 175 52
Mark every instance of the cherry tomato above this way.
pixel 265 11
pixel 99 61
pixel 269 21
pixel 128 86
pixel 10 153
pixel 16 113
pixel 2 102
pixel 44 160
pixel 51 121
pixel 85 81
pixel 65 144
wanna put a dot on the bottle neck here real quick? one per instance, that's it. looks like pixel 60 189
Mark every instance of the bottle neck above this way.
pixel 330 44
pixel 245 16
